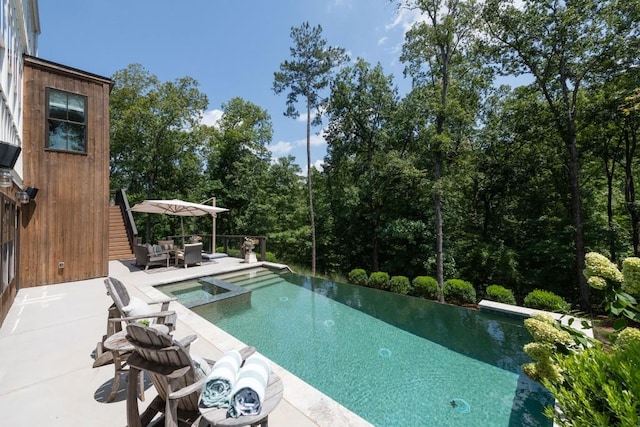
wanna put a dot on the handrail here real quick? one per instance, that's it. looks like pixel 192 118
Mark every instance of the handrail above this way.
pixel 231 237
pixel 120 198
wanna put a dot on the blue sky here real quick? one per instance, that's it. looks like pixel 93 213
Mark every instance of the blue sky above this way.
pixel 232 48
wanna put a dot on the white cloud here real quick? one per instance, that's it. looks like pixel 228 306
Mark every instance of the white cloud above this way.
pixel 315 141
pixel 318 165
pixel 212 117
pixel 405 19
pixel 281 147
pixel 382 41
pixel 340 4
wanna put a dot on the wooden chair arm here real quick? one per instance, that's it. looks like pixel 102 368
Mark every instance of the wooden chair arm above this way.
pixel 186 341
pixel 185 391
pixel 159 314
pixel 163 300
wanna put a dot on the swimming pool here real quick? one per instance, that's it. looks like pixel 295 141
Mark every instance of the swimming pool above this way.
pixel 394 360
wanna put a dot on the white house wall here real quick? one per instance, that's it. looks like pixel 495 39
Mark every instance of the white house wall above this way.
pixel 20 27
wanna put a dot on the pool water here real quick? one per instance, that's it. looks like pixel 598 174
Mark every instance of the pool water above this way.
pixel 394 360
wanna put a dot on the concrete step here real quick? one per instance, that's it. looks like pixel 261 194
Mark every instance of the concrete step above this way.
pixel 228 277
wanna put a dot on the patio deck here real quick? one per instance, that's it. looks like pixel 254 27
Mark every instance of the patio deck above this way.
pixel 50 333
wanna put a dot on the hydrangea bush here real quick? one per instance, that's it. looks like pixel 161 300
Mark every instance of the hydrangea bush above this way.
pixel 617 286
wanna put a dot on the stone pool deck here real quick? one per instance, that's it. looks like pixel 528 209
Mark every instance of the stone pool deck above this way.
pixel 47 343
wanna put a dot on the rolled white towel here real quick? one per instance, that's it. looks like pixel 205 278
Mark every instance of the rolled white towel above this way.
pixel 220 382
pixel 250 388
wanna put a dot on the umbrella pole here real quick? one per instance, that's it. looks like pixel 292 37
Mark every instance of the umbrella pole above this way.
pixel 182 228
pixel 213 230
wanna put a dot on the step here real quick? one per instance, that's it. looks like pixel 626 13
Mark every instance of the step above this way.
pixel 227 277
pixel 250 280
pixel 242 280
pixel 263 284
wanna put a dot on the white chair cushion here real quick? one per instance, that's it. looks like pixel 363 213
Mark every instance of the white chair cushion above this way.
pixel 202 368
pixel 137 307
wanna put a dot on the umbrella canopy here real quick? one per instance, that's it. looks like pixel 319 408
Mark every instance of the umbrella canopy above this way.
pixel 178 208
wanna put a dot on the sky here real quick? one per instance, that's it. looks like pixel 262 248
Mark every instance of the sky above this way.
pixel 231 47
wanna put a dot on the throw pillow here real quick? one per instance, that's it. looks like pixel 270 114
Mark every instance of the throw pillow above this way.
pixel 157 249
pixel 137 307
pixel 167 246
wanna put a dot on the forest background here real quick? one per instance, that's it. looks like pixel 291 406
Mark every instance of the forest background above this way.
pixel 486 183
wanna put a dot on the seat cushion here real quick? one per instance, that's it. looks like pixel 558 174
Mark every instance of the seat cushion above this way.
pixel 166 246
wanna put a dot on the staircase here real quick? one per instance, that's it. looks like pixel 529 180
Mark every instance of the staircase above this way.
pixel 119 247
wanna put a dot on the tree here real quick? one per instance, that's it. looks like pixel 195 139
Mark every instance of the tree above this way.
pixel 306 76
pixel 152 145
pixel 237 162
pixel 564 45
pixel 360 108
pixel 448 80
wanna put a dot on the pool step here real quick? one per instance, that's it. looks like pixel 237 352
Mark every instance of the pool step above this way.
pixel 229 277
pixel 245 280
pixel 263 283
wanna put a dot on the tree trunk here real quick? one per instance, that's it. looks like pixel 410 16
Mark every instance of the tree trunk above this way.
pixel 437 205
pixel 630 191
pixel 612 229
pixel 576 215
pixel 309 186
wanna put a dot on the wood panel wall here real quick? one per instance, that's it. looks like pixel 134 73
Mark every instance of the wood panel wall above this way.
pixel 68 220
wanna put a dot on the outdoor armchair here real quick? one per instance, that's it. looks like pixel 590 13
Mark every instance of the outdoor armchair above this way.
pixel 126 309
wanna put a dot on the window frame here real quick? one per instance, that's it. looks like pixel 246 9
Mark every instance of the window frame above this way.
pixel 48 118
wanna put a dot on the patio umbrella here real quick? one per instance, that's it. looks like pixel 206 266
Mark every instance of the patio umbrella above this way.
pixel 177 207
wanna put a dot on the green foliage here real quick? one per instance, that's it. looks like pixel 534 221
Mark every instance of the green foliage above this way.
pixel 270 257
pixel 627 338
pixel 400 285
pixel 547 341
pixel 379 280
pixel 545 300
pixel 598 388
pixel 631 274
pixel 500 294
pixel 602 274
pixel 459 291
pixel 358 276
pixel 425 287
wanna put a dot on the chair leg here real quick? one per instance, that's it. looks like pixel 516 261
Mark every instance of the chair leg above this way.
pixel 133 416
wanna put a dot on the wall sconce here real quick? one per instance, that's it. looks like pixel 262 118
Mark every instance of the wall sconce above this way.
pixel 6 178
pixel 22 197
pixel 32 192
pixel 27 195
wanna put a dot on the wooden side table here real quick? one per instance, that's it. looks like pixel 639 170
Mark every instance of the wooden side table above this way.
pixel 217 417
pixel 120 348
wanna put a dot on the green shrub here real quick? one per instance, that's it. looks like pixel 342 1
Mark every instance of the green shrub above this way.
pixel 358 277
pixel 270 257
pixel 379 280
pixel 500 294
pixel 425 287
pixel 631 273
pixel 458 291
pixel 598 387
pixel 545 300
pixel 400 285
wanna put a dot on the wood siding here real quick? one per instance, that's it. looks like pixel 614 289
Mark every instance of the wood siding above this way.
pixel 69 218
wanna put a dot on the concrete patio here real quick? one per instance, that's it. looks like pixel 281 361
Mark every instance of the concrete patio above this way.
pixel 47 343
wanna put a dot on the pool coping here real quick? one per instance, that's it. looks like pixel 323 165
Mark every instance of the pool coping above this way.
pixel 515 310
